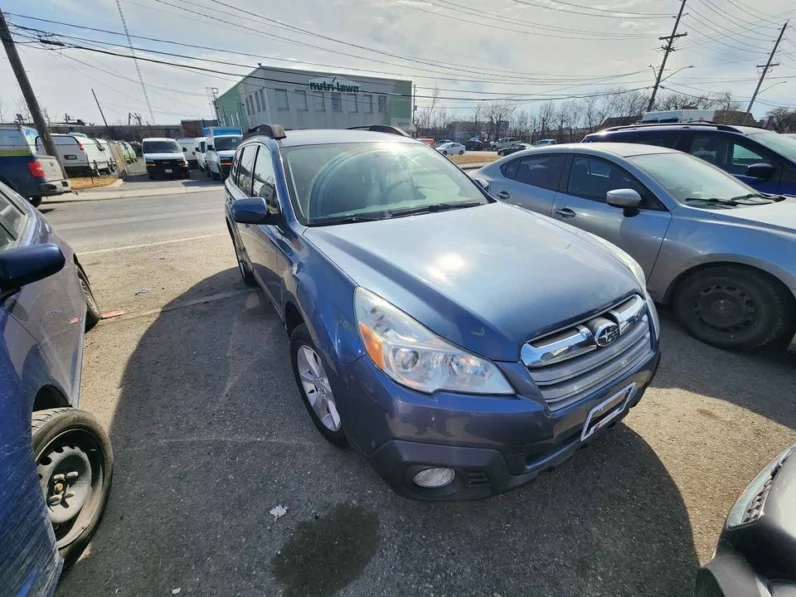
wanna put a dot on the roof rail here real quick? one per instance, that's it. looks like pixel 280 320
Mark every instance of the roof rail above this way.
pixel 380 128
pixel 275 131
pixel 721 127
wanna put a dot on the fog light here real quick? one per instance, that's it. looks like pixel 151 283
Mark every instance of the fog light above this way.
pixel 434 477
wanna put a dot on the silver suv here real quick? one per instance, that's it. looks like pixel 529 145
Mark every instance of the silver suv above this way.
pixel 722 254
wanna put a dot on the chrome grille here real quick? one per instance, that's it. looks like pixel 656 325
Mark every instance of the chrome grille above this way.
pixel 568 364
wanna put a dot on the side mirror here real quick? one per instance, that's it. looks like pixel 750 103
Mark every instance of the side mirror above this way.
pixel 25 265
pixel 252 211
pixel 483 183
pixel 762 171
pixel 627 198
pixel 210 148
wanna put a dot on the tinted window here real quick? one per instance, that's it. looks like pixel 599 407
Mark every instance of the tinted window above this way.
pixel 243 171
pixel 540 171
pixel 592 178
pixel 226 143
pixel 509 169
pixel 658 138
pixel 160 147
pixel 264 180
pixel 728 153
pixel 12 222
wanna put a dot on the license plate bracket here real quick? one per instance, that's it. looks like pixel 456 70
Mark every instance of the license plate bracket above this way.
pixel 606 411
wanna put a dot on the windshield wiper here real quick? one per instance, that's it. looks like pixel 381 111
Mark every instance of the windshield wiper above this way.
pixel 345 220
pixel 713 200
pixel 759 196
pixel 435 207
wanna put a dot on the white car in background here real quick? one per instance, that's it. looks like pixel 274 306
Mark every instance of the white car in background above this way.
pixel 80 155
pixel 200 146
pixel 451 148
pixel 188 146
pixel 106 147
pixel 219 153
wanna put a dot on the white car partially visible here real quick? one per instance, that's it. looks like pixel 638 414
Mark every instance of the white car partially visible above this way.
pixel 451 149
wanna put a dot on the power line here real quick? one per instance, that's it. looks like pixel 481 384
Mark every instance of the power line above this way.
pixel 137 68
pixel 668 48
pixel 620 15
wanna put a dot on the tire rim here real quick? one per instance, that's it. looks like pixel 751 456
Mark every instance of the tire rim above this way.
pixel 317 390
pixel 726 308
pixel 71 471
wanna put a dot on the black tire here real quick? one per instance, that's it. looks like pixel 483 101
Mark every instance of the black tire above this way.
pixel 35 201
pixel 461 152
pixel 243 266
pixel 735 308
pixel 151 177
pixel 64 431
pixel 298 338
pixel 93 313
pixel 444 152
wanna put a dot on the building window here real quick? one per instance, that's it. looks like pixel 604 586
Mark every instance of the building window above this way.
pixel 301 100
pixel 248 107
pixel 352 102
pixel 261 93
pixel 281 99
pixel 320 102
pixel 367 102
pixel 257 102
pixel 382 104
pixel 337 104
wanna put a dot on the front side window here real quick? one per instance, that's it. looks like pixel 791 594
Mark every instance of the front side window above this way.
pixel 301 100
pixel 164 146
pixel 382 104
pixel 728 153
pixel 243 168
pixel 542 171
pixel 337 104
pixel 264 180
pixel 281 99
pixel 367 103
pixel 352 102
pixel 592 178
pixel 226 143
pixel 332 183
pixel 784 145
pixel 12 222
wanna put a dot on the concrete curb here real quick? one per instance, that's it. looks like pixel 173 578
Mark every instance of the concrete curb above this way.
pixel 156 192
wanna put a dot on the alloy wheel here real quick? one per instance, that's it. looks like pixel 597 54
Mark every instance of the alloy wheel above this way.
pixel 316 387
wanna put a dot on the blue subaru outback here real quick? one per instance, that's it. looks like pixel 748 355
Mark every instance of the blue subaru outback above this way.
pixel 462 345
pixel 763 159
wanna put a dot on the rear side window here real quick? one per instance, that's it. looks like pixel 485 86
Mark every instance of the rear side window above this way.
pixel 243 168
pixel 264 179
pixel 542 171
pixel 509 169
pixel 12 222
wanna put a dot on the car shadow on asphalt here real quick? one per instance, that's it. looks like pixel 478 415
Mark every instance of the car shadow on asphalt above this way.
pixel 198 179
pixel 761 382
pixel 210 435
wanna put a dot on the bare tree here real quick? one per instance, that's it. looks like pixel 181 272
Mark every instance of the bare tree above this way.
pixel 546 114
pixel 499 112
pixel 782 120
pixel 520 123
pixel 590 116
pixel 21 112
pixel 425 115
pixel 478 114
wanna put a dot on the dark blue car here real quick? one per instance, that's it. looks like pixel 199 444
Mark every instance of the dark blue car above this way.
pixel 55 460
pixel 461 344
pixel 763 159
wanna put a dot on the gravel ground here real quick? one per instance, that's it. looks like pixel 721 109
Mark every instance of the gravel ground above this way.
pixel 194 385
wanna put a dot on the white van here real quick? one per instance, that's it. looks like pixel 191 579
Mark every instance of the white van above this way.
pixel 200 146
pixel 106 147
pixel 219 154
pixel 79 154
pixel 188 146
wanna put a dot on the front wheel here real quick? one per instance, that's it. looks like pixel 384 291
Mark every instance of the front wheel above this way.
pixel 74 461
pixel 93 314
pixel 461 152
pixel 35 201
pixel 444 153
pixel 735 308
pixel 313 383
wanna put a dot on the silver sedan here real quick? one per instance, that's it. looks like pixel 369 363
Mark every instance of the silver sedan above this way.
pixel 722 254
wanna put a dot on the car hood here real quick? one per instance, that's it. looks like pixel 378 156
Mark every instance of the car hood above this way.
pixel 486 278
pixel 164 156
pixel 779 216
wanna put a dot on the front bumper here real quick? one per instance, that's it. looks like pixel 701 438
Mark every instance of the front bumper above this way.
pixel 159 168
pixel 225 168
pixel 494 444
pixel 54 187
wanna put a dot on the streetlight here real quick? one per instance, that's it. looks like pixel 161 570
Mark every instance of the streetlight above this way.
pixel 677 71
pixel 770 86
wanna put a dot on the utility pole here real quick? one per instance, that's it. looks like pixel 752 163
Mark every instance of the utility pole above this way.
pixel 27 91
pixel 100 110
pixel 666 49
pixel 765 68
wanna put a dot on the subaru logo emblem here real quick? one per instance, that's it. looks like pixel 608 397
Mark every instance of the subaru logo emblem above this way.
pixel 606 334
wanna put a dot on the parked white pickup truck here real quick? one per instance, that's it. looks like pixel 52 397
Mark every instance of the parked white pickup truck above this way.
pixel 502 143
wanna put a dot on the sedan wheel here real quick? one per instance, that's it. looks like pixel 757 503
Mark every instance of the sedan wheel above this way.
pixel 315 386
pixel 461 152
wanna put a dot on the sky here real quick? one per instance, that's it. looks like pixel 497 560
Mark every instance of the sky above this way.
pixel 469 50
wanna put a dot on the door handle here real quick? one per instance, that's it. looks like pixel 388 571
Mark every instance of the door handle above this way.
pixel 565 213
pixel 504 195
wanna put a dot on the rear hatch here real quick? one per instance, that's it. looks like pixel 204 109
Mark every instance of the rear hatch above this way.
pixel 52 170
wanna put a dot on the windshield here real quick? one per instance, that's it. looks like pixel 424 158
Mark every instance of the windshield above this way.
pixel 331 183
pixel 784 145
pixel 226 143
pixel 689 178
pixel 161 147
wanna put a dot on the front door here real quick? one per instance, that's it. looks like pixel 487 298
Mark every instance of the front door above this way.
pixel 582 204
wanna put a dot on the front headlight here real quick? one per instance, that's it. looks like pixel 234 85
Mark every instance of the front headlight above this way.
pixel 416 357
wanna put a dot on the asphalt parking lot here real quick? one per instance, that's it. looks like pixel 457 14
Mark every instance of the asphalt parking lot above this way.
pixel 193 382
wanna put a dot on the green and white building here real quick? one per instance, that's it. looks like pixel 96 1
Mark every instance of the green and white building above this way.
pixel 300 99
